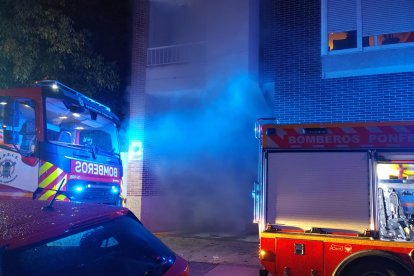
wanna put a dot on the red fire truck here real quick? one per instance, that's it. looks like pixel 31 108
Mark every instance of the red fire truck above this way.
pixel 55 139
pixel 336 199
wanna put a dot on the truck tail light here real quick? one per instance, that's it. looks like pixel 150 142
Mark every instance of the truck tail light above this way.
pixel 268 256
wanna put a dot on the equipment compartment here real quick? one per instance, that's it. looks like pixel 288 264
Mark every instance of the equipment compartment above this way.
pixel 395 201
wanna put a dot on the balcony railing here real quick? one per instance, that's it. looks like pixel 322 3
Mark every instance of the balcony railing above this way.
pixel 173 54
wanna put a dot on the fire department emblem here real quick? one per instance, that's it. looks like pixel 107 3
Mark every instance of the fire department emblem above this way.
pixel 8 163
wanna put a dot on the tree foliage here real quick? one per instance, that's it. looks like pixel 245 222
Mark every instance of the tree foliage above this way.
pixel 40 40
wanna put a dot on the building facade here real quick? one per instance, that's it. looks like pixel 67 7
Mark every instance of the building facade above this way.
pixel 206 70
pixel 329 61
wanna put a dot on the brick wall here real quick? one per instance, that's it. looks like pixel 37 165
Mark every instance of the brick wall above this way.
pixel 150 183
pixel 136 91
pixel 290 57
pixel 142 180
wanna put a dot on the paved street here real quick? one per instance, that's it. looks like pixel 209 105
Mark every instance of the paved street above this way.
pixel 213 255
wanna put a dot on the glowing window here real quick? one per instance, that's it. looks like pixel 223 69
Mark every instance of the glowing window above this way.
pixel 356 24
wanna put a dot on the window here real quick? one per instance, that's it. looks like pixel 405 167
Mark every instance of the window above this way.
pixel 356 24
pixel 3 117
pixel 18 129
pixel 119 247
pixel 365 37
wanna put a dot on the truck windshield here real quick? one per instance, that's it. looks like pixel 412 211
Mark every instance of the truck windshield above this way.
pixel 70 124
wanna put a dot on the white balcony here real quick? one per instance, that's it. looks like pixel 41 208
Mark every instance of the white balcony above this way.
pixel 175 54
pixel 176 67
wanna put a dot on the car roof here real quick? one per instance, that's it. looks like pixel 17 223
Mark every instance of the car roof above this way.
pixel 25 221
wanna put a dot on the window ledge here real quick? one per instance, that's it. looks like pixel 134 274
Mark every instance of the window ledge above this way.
pixel 379 60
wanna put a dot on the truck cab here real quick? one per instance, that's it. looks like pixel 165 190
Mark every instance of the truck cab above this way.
pixel 55 139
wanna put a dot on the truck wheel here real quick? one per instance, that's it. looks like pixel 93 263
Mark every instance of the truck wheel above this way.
pixel 375 267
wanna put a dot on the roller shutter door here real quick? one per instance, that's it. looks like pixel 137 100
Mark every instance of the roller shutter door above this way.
pixel 318 189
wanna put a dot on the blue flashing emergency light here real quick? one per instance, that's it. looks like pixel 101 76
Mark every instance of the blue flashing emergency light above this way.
pixel 79 188
pixel 114 189
pixel 135 150
pixel 170 260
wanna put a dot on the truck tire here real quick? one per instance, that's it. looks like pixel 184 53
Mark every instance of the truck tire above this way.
pixel 374 266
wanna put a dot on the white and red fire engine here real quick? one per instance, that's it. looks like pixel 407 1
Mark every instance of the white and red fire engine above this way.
pixel 336 199
pixel 53 138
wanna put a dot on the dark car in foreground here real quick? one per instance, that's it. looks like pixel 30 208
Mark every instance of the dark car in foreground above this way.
pixel 79 239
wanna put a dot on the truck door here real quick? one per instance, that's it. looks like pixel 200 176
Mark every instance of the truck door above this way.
pixel 18 142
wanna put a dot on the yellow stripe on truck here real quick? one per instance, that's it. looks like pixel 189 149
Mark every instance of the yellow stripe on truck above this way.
pixel 46 166
pixel 47 195
pixel 52 177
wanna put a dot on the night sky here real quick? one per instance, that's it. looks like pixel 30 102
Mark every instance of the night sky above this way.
pixel 108 24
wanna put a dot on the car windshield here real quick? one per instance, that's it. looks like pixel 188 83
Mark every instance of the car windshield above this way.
pixel 72 125
pixel 120 247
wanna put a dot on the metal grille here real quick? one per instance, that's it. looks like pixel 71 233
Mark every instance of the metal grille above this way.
pixel 96 192
pixel 174 54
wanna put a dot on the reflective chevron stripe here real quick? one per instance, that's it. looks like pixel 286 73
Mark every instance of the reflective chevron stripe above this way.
pixel 50 177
